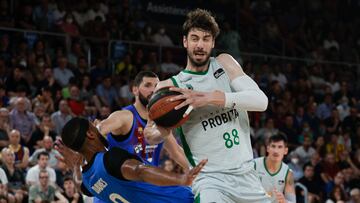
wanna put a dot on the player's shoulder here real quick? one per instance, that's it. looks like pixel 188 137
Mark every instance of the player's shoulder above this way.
pixel 230 65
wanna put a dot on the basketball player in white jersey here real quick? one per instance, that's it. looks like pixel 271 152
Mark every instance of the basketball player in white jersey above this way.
pixel 219 94
pixel 276 177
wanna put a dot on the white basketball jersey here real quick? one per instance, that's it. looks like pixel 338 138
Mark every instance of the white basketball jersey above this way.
pixel 270 181
pixel 220 134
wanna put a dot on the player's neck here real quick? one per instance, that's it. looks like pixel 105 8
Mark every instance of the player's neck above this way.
pixel 272 166
pixel 141 109
pixel 191 67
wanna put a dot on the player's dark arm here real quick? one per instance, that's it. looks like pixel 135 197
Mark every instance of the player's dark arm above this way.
pixel 135 170
pixel 290 188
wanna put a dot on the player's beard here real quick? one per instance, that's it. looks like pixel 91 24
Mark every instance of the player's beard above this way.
pixel 195 63
pixel 144 100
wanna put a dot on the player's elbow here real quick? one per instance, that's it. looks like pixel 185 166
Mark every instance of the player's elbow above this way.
pixel 263 101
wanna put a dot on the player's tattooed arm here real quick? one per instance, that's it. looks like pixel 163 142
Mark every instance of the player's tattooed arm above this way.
pixel 290 188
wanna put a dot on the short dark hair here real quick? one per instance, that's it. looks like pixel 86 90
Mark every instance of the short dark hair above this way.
pixel 278 138
pixel 307 165
pixel 201 19
pixel 140 76
pixel 42 154
pixel 74 133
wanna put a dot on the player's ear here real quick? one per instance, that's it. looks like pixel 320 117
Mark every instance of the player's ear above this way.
pixel 286 150
pixel 90 135
pixel 185 41
pixel 135 90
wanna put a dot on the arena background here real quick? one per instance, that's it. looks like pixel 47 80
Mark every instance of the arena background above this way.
pixel 304 54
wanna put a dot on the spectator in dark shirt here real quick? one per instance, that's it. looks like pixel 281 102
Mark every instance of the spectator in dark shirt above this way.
pixel 15 81
pixel 311 184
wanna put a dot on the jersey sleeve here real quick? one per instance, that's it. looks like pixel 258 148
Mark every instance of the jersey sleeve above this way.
pixel 114 159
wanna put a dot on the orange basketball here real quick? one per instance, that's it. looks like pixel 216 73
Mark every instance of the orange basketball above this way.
pixel 163 112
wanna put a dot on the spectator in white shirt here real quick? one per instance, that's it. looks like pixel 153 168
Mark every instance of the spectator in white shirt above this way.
pixel 32 176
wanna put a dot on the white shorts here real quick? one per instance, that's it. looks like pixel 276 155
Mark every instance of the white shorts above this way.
pixel 229 188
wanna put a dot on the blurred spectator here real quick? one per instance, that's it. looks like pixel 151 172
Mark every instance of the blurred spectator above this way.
pixel 152 63
pixel 79 13
pixel 24 19
pixel 32 176
pixel 99 71
pixel 15 176
pixel 355 195
pixel 125 68
pixel 336 196
pixel 343 108
pixel 61 116
pixel 168 67
pixel 59 12
pixel 49 81
pixel 108 94
pixel 62 73
pixel 4 100
pixel 16 81
pixel 75 102
pixel 43 191
pixel 4 127
pixel 43 17
pixel 330 42
pixel 352 121
pixel 333 83
pixel 76 52
pixel 5 52
pixel 70 191
pixel 305 152
pixel 87 93
pixel 324 109
pixel 81 68
pixel 22 119
pixel 290 131
pixel 263 134
pixel 45 129
pixel 125 93
pixel 45 98
pixel 161 38
pixel 39 51
pixel 329 168
pixel 344 92
pixel 5 196
pixel 21 152
pixel 146 35
pixel 62 171
pixel 314 191
pixel 96 28
pixel 69 26
pixel 131 32
pixel 95 11
pixel 6 18
pixel 3 177
pixel 229 40
pixel 333 122
pixel 295 166
pixel 47 146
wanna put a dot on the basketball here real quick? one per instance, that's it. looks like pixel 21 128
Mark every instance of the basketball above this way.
pixel 163 112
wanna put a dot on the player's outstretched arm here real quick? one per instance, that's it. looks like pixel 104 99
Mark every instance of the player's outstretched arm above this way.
pixel 135 170
pixel 115 123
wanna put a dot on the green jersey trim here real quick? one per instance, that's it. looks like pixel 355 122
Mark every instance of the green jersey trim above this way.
pixel 197 198
pixel 174 81
pixel 195 73
pixel 187 151
pixel 271 174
